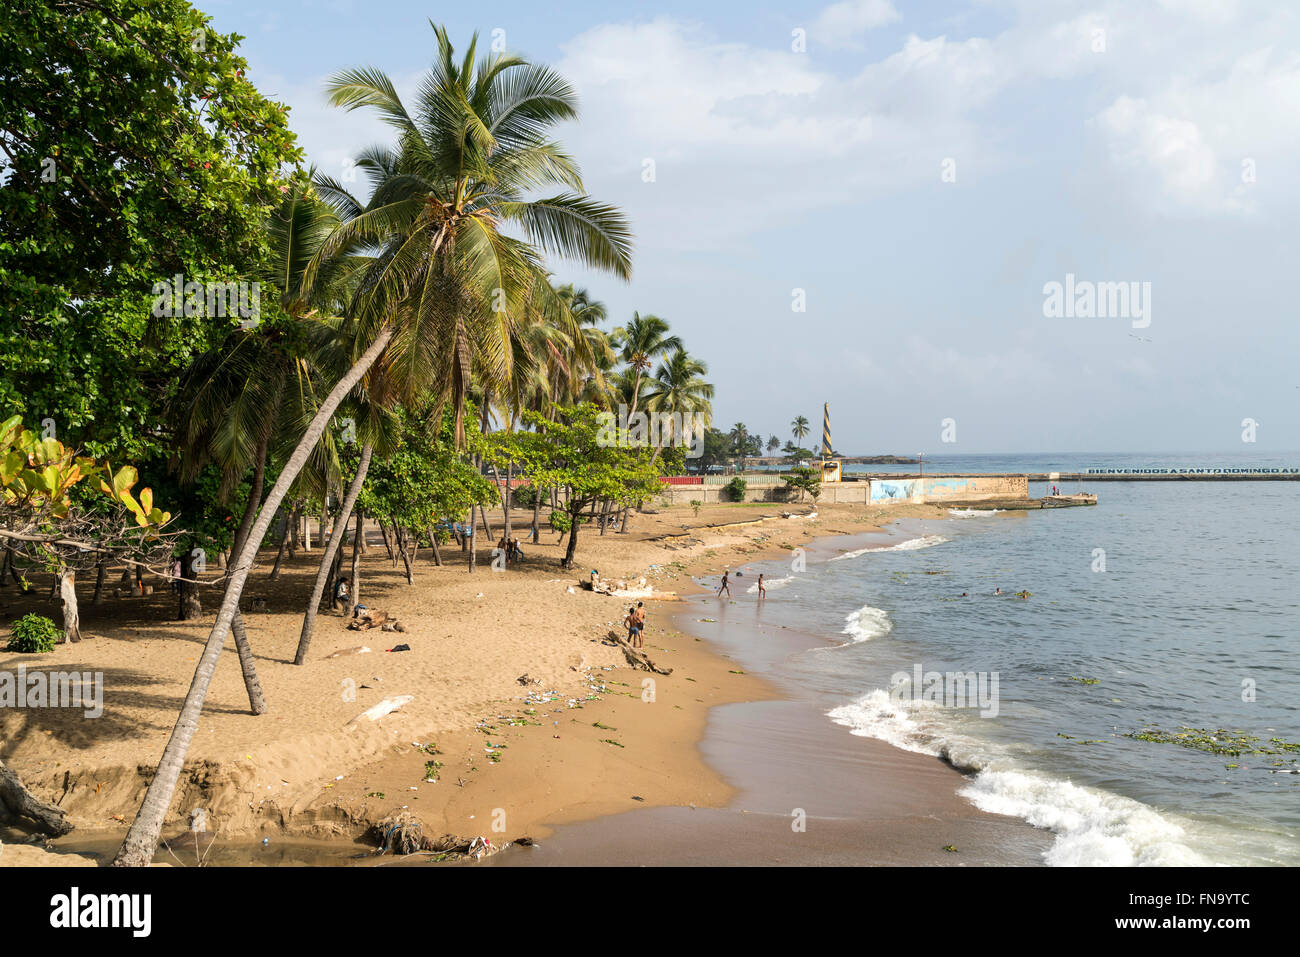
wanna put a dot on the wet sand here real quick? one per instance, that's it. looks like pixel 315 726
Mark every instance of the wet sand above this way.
pixel 860 801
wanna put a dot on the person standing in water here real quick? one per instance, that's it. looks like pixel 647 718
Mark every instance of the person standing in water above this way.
pixel 762 590
pixel 724 586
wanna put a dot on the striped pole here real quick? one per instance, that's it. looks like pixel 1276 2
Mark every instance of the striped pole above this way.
pixel 826 430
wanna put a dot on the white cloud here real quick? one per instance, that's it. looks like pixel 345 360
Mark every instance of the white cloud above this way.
pixel 842 24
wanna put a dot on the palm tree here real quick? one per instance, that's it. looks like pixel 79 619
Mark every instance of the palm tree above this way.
pixel 679 387
pixel 474 149
pixel 799 428
pixel 773 443
pixel 639 343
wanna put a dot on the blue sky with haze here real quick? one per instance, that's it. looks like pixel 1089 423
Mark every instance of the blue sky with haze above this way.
pixel 1148 140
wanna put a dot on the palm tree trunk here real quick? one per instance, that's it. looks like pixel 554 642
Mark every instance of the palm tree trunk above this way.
pixel 537 508
pixel 358 545
pixel 327 561
pixel 100 569
pixel 68 596
pixel 247 667
pixel 142 838
pixel 473 552
pixel 284 538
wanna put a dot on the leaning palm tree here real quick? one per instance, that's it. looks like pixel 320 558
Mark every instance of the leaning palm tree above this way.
pixel 640 342
pixel 799 428
pixel 471 153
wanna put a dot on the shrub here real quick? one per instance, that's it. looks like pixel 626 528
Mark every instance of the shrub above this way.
pixel 695 505
pixel 525 496
pixel 735 489
pixel 561 522
pixel 34 634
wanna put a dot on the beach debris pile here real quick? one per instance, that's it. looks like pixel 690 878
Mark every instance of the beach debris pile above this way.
pixel 375 618
pixel 403 833
pixel 637 658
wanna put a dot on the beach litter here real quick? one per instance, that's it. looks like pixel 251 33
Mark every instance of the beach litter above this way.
pixel 356 650
pixel 387 706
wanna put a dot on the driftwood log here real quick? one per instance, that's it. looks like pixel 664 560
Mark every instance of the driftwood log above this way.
pixel 17 802
pixel 637 658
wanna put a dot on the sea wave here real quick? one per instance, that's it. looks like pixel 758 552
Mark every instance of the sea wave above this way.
pixel 867 623
pixel 1093 827
pixel 925 541
pixel 770 584
pixel 973 512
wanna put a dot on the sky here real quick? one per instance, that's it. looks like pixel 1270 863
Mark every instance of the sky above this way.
pixel 867 202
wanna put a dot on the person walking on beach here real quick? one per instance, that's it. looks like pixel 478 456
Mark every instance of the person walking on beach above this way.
pixel 725 586
pixel 762 591
pixel 629 622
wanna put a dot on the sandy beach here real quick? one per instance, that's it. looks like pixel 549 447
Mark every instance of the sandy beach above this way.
pixel 578 742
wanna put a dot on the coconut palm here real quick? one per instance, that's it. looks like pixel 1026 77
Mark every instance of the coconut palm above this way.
pixel 470 154
pixel 799 428
pixel 639 343
pixel 678 386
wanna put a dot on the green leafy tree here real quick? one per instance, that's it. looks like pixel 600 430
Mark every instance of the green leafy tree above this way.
pixel 132 149
pixel 574 452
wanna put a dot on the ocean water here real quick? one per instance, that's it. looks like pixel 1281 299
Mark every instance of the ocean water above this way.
pixel 1169 605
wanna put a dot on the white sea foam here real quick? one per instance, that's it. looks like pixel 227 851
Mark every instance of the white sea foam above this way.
pixel 867 623
pixel 973 512
pixel 1092 827
pixel 925 541
pixel 770 584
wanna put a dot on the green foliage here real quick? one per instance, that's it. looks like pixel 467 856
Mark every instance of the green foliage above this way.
pixel 803 478
pixel 525 496
pixel 34 634
pixel 696 505
pixel 134 149
pixel 735 489
pixel 561 521
pixel 423 479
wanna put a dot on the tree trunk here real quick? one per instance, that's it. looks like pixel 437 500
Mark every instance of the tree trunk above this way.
pixel 388 542
pixel 573 541
pixel 473 552
pixel 293 530
pixel 247 666
pixel 99 584
pixel 68 597
pixel 358 545
pixel 404 543
pixel 433 540
pixel 256 699
pixel 504 495
pixel 17 802
pixel 487 529
pixel 537 509
pixel 191 606
pixel 327 560
pixel 142 838
pixel 279 552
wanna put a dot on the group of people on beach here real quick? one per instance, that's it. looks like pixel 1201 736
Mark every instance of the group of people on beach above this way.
pixel 511 548
pixel 726 585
